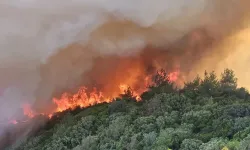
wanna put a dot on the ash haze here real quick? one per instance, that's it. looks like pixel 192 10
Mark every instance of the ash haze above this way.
pixel 47 47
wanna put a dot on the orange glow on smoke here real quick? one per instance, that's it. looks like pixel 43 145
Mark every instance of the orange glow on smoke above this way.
pixel 173 76
pixel 27 111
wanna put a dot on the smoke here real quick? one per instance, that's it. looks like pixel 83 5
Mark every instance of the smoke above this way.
pixel 47 47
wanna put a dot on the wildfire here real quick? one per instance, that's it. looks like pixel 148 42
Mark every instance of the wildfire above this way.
pixel 85 97
pixel 81 98
pixel 124 88
pixel 173 76
pixel 27 111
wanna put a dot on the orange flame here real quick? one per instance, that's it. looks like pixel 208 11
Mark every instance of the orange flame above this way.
pixel 83 99
pixel 125 87
pixel 173 76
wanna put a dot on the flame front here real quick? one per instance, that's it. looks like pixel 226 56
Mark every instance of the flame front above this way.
pixel 85 97
pixel 81 98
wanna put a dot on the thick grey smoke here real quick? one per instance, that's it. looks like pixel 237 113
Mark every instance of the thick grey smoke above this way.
pixel 46 46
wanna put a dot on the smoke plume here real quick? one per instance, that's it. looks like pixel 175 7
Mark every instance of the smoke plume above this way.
pixel 48 47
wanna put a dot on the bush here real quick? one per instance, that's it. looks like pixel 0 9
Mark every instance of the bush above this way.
pixel 200 119
pixel 214 144
pixel 190 144
pixel 117 106
pixel 172 137
pixel 90 143
pixel 245 143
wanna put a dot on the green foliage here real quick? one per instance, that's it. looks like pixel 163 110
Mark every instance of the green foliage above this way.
pixel 117 106
pixel 242 93
pixel 149 139
pixel 172 138
pixel 192 88
pixel 200 119
pixel 245 143
pixel 190 144
pixel 228 81
pixel 241 123
pixel 207 114
pixel 162 103
pixel 209 86
pixel 90 143
pixel 233 145
pixel 242 134
pixel 214 144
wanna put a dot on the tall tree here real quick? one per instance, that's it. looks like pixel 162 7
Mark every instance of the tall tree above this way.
pixel 228 81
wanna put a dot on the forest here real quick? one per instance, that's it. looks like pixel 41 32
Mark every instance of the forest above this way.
pixel 210 113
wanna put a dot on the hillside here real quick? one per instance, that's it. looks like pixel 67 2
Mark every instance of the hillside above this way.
pixel 207 114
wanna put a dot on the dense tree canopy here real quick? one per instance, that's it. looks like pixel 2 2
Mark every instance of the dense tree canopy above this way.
pixel 208 114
